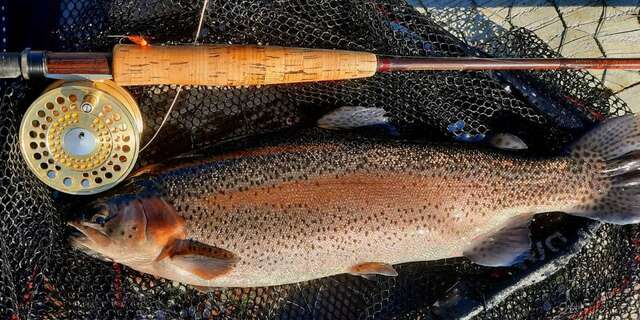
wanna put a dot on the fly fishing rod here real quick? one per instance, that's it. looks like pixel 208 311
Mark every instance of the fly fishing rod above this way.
pixel 82 135
pixel 246 65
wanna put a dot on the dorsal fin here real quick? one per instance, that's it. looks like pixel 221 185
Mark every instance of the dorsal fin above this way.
pixel 508 141
pixel 353 117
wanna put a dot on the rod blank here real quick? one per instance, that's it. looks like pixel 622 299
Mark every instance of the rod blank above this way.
pixel 393 64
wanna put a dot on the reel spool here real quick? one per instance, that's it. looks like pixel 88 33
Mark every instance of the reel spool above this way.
pixel 82 137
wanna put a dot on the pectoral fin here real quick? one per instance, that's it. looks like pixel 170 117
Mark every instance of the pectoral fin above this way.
pixel 367 269
pixel 207 262
pixel 506 247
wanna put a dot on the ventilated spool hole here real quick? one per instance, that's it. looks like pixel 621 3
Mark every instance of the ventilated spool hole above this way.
pixel 67 182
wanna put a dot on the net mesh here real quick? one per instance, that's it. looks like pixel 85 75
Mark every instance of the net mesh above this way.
pixel 579 269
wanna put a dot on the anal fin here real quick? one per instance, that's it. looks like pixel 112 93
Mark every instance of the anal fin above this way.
pixel 368 269
pixel 505 247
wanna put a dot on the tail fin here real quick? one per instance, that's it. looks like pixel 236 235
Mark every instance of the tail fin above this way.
pixel 617 142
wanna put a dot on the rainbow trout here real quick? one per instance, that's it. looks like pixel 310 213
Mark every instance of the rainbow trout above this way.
pixel 290 212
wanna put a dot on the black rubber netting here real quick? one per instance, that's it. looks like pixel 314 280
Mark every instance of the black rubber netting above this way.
pixel 579 269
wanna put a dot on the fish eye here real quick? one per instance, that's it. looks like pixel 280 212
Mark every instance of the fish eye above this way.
pixel 100 215
pixel 99 220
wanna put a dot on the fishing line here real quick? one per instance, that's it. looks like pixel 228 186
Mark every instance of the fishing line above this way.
pixel 204 9
pixel 179 88
pixel 164 120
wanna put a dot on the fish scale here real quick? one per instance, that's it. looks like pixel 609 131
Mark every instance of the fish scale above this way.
pixel 277 211
pixel 316 205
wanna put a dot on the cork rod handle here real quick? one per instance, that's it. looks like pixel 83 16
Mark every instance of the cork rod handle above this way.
pixel 235 65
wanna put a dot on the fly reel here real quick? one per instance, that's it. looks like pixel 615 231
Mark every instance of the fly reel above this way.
pixel 81 137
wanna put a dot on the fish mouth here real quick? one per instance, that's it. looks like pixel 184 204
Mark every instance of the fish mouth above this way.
pixel 78 238
pixel 77 234
pixel 85 237
pixel 87 234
